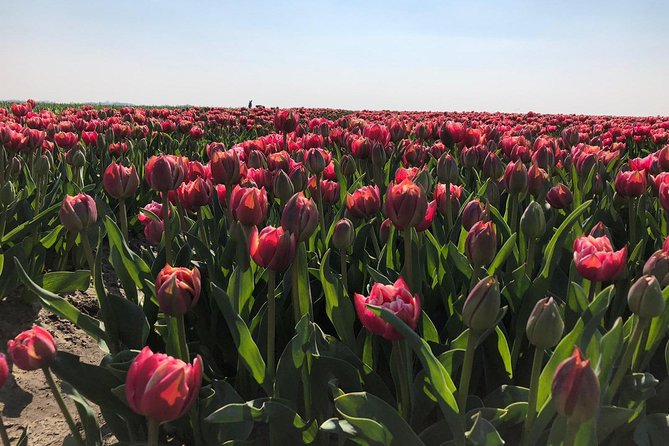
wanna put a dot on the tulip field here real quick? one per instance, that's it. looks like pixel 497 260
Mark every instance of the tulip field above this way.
pixel 328 277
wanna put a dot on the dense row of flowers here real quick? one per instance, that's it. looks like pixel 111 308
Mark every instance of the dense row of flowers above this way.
pixel 331 274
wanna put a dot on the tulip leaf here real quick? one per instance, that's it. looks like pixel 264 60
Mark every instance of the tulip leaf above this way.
pixel 439 378
pixel 63 308
pixel 88 419
pixel 65 281
pixel 611 418
pixel 460 261
pixel 653 430
pixel 659 326
pixel 503 349
pixel 220 393
pixel 285 424
pixel 483 433
pixel 301 276
pixel 611 347
pixel 551 257
pixel 247 348
pixel 338 305
pixel 375 422
pixel 21 229
pixel 506 250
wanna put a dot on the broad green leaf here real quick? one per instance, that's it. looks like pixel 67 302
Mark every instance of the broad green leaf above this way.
pixel 338 305
pixel 65 281
pixel 21 229
pixel 502 254
pixel 653 430
pixel 483 433
pixel 88 419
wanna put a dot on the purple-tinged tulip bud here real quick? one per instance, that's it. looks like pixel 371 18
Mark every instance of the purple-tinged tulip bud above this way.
pixel 545 326
pixel 482 305
pixel 575 389
pixel 645 297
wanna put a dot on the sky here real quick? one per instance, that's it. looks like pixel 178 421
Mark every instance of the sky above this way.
pixel 594 57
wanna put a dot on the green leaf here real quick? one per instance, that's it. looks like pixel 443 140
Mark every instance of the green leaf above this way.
pixel 301 276
pixel 63 308
pixel 247 348
pixel 375 421
pixel 65 281
pixel 653 430
pixel 240 289
pixel 504 352
pixel 284 422
pixel 483 433
pixel 213 397
pixel 337 304
pixel 503 254
pixel 21 229
pixel 611 418
pixel 439 378
pixel 460 261
pixel 88 419
pixel 611 347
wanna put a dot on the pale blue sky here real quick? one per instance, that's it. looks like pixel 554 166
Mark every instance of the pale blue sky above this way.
pixel 606 57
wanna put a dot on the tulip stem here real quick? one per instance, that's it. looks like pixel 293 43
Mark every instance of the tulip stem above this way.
pixel 3 433
pixel 626 360
pixel 154 430
pixel 63 408
pixel 181 333
pixel 169 259
pixel 408 261
pixel 570 433
pixel 632 223
pixel 321 214
pixel 529 262
pixel 466 373
pixel 401 365
pixel 344 268
pixel 203 228
pixel 271 321
pixel 123 217
pixel 534 387
pixel 449 215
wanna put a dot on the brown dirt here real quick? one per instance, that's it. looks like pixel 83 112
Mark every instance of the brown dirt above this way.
pixel 26 396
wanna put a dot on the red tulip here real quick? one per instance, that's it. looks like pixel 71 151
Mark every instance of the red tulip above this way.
pixel 89 138
pixel 32 349
pixel 120 181
pixel 472 213
pixel 452 133
pixel 455 193
pixel 195 194
pixel 595 259
pixel 161 387
pixel 285 121
pixel 559 196
pixel 481 243
pixel 364 202
pixel 663 196
pixel 225 167
pixel 78 212
pixel 516 178
pixel 65 140
pixel 153 231
pixel 300 216
pixel 429 217
pixel 631 183
pixel 164 172
pixel 575 388
pixel 4 370
pixel 406 204
pixel 272 248
pixel 397 298
pixel 249 205
pixel 177 289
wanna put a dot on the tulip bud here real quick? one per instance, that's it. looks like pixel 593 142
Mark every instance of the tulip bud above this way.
pixel 559 197
pixel 516 178
pixel 272 248
pixel 343 235
pixel 15 167
pixel 4 370
pixel 32 349
pixel 256 159
pixel 299 179
pixel 663 158
pixel 645 297
pixel 78 212
pixel 545 326
pixel 575 389
pixel 7 194
pixel 481 307
pixel 347 165
pixel 315 161
pixel 471 213
pixel 492 194
pixel 120 181
pixel 423 179
pixel 537 181
pixel 447 169
pixel 283 187
pixel 300 216
pixel 600 230
pixel 533 221
pixel 43 164
pixel 225 167
pixel 177 289
pixel 249 205
pixel 378 155
pixel 384 230
pixel 161 387
pixel 658 265
pixel 406 204
pixel 493 167
pixel 481 244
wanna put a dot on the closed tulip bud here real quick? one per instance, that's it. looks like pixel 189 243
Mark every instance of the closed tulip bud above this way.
pixel 658 266
pixel 406 204
pixel 15 167
pixel 78 212
pixel 347 165
pixel 75 157
pixel 481 307
pixel 533 221
pixel 120 181
pixel 492 194
pixel 469 157
pixel 164 172
pixel 32 349
pixel 545 326
pixel 384 230
pixel 161 387
pixel 153 231
pixel 4 370
pixel 300 216
pixel 537 181
pixel 663 158
pixel 256 159
pixel 600 230
pixel 195 194
pixel 631 183
pixel 447 169
pixel 378 155
pixel 645 297
pixel 471 213
pixel 7 194
pixel 299 179
pixel 315 161
pixel 364 202
pixel 575 389
pixel 423 179
pixel 43 164
pixel 249 205
pixel 272 248
pixel 225 167
pixel 283 187
pixel 343 235
pixel 516 178
pixel 481 244
pixel 493 167
pixel 177 289
pixel 559 197
pixel 285 121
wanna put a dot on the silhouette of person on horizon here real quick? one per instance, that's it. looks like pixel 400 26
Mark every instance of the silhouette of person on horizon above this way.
pixel 251 103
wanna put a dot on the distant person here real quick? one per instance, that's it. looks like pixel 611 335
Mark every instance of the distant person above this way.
pixel 251 103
